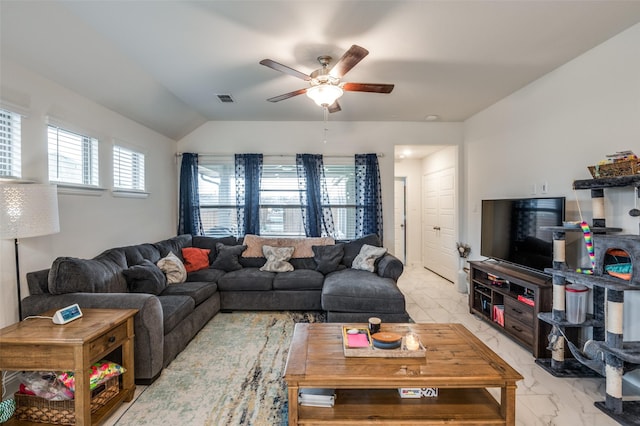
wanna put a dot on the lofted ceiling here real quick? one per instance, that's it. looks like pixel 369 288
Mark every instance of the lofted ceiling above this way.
pixel 162 63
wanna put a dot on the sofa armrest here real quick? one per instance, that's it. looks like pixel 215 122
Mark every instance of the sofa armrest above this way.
pixel 390 267
pixel 148 322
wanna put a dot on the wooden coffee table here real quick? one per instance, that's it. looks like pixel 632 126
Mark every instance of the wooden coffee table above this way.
pixel 456 362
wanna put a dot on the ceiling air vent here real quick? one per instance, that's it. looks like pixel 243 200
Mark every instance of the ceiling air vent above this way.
pixel 225 99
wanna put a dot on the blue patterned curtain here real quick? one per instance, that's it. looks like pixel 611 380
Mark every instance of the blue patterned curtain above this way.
pixel 368 196
pixel 248 175
pixel 189 221
pixel 314 197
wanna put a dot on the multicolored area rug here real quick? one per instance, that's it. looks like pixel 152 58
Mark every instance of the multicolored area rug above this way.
pixel 230 374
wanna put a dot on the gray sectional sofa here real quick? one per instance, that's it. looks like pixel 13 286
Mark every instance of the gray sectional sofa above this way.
pixel 170 315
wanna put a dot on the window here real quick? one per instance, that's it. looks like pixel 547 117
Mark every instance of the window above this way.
pixel 73 158
pixel 217 187
pixel 10 127
pixel 128 169
pixel 280 211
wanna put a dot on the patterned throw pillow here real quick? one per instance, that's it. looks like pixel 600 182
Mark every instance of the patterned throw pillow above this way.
pixel 173 268
pixel 277 259
pixel 367 257
pixel 227 258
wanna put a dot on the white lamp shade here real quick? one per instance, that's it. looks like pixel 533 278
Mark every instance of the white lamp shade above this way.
pixel 28 210
pixel 324 95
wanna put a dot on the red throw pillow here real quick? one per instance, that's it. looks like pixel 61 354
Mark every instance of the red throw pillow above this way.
pixel 195 258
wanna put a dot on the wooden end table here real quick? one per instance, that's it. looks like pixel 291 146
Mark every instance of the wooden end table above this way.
pixel 37 344
pixel 456 362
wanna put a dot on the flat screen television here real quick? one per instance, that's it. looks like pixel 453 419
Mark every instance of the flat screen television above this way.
pixel 511 230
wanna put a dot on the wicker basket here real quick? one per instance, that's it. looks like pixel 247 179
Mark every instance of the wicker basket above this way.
pixel 620 168
pixel 35 409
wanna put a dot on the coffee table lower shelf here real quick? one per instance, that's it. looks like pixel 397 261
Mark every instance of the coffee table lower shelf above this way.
pixel 384 406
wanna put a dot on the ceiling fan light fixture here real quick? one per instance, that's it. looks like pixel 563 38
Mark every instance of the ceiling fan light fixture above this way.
pixel 324 95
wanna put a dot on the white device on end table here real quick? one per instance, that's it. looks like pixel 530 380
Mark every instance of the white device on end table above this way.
pixel 68 314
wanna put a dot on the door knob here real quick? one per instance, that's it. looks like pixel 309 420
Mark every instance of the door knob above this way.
pixel 437 228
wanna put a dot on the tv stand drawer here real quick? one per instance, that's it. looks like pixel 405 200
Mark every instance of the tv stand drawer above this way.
pixel 519 330
pixel 518 311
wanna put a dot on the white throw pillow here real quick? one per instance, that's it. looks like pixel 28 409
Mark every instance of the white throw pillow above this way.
pixel 277 258
pixel 366 259
pixel 173 268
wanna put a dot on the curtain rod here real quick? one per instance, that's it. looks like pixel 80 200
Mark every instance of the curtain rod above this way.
pixel 211 154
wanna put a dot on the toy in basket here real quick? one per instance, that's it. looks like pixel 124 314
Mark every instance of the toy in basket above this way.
pixel 35 409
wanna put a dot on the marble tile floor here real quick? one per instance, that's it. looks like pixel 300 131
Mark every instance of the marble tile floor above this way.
pixel 542 399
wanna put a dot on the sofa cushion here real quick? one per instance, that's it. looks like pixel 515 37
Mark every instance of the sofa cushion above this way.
pixel 173 268
pixel 277 258
pixel 195 258
pixel 98 275
pixel 300 279
pixel 198 291
pixel 136 254
pixel 301 246
pixel 352 248
pixel 367 257
pixel 255 262
pixel 353 290
pixel 247 279
pixel 227 258
pixel 175 308
pixel 328 258
pixel 145 278
pixel 210 243
pixel 207 275
pixel 174 245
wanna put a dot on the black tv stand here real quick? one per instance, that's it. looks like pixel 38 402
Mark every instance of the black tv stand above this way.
pixel 509 298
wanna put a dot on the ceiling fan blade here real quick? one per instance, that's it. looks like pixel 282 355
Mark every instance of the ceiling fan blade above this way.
pixel 368 87
pixel 335 107
pixel 287 95
pixel 349 60
pixel 285 69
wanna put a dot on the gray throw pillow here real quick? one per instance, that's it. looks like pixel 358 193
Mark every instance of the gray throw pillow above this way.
pixel 211 242
pixel 145 277
pixel 327 258
pixel 173 269
pixel 227 257
pixel 277 259
pixel 367 257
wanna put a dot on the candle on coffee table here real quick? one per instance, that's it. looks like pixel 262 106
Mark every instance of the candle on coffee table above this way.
pixel 412 342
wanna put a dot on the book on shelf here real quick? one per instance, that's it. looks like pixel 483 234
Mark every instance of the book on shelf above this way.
pixel 317 397
pixel 496 280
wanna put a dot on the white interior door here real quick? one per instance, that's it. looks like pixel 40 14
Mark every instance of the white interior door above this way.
pixel 399 210
pixel 439 223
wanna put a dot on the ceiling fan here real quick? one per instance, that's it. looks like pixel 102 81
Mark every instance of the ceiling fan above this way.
pixel 325 85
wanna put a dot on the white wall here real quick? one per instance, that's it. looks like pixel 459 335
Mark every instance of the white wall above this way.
pixel 551 130
pixel 343 138
pixel 88 224
pixel 411 170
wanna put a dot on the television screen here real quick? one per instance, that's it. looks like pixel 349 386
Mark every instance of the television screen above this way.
pixel 511 230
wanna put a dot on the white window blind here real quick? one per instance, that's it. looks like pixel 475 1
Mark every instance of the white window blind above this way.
pixel 73 158
pixel 128 169
pixel 10 140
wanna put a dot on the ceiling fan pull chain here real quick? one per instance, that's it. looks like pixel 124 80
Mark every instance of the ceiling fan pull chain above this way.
pixel 326 118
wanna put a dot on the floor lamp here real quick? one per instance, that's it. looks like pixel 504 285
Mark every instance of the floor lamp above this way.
pixel 27 210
